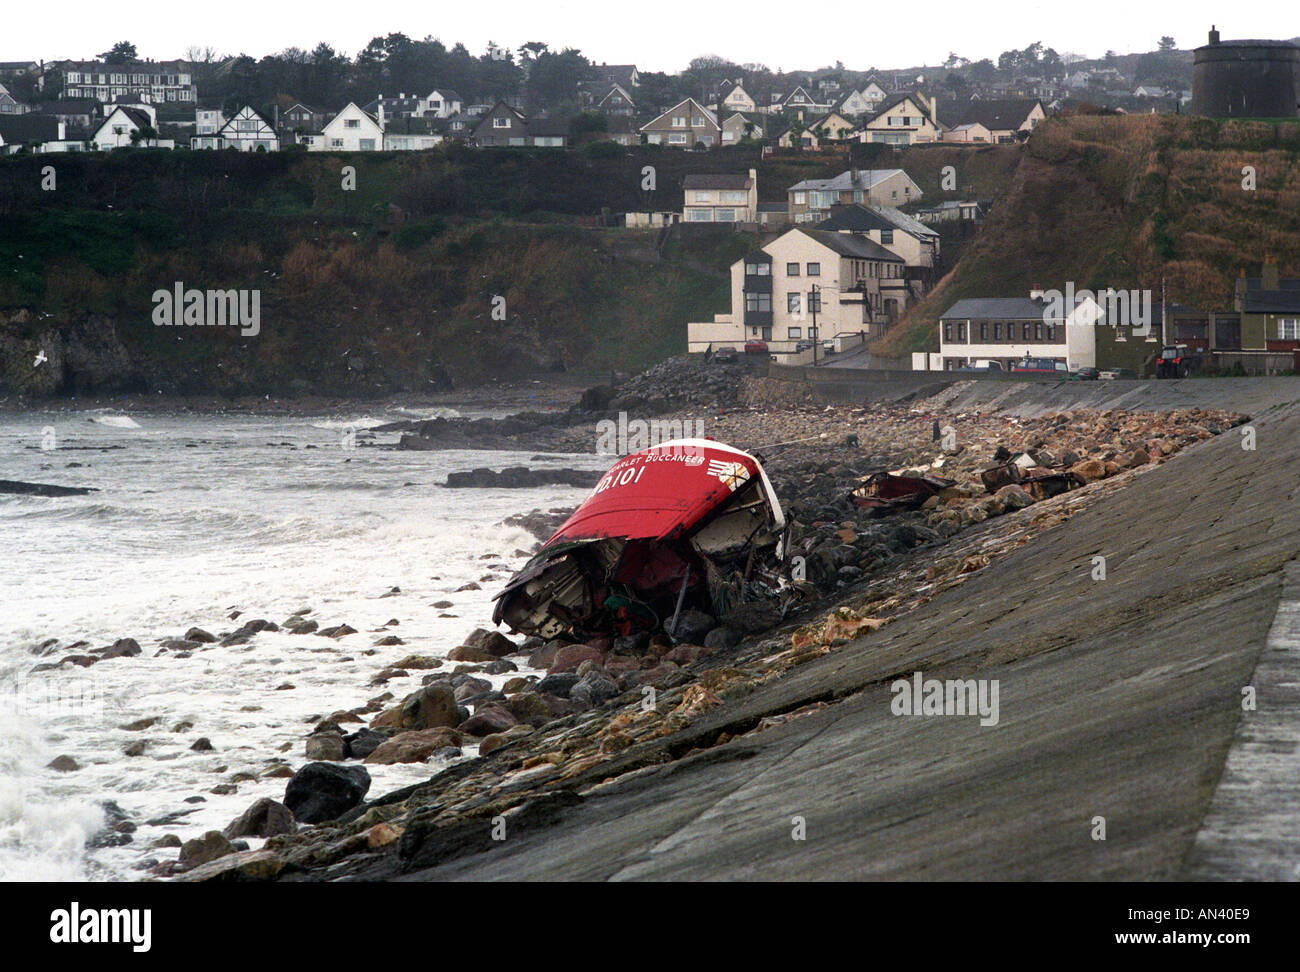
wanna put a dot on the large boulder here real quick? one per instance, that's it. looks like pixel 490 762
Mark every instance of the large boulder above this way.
pixel 265 818
pixel 323 791
pixel 432 706
pixel 493 642
pixel 209 847
pixel 488 719
pixel 568 658
pixel 692 626
pixel 414 747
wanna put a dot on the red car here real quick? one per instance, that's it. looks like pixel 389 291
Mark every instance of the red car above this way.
pixel 755 346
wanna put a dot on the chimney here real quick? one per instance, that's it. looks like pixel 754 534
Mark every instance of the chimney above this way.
pixel 1214 34
pixel 1268 274
pixel 934 110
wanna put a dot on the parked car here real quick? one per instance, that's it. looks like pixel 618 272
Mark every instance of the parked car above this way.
pixel 1110 374
pixel 1084 374
pixel 1040 366
pixel 805 345
pixel 829 345
pixel 755 346
pixel 726 353
pixel 982 367
pixel 1177 361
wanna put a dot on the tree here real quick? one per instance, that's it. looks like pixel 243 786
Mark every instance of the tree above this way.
pixel 555 79
pixel 1167 43
pixel 123 52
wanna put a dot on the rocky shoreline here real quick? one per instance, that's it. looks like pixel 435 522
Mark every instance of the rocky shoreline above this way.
pixel 525 726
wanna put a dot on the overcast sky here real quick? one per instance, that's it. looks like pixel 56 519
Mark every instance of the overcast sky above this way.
pixel 656 36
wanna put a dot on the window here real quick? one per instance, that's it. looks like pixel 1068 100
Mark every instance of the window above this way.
pixel 794 333
pixel 947 331
pixel 351 123
pixel 1050 331
pixel 1026 332
pixel 800 198
pixel 699 215
pixel 336 143
pixel 758 269
pixel 701 197
pixel 814 269
pixel 793 303
pixel 984 331
pixel 887 236
pixel 997 331
pixel 367 145
pixel 792 269
pixel 815 301
pixel 500 122
pixel 675 139
pixel 679 122
pixel 1288 328
pixel 726 216
pixel 732 196
pixel 755 301
pixel 1038 332
pixel 698 122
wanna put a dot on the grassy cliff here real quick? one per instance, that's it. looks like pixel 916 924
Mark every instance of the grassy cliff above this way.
pixel 1125 202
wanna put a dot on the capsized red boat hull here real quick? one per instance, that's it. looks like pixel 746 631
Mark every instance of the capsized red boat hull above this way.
pixel 656 515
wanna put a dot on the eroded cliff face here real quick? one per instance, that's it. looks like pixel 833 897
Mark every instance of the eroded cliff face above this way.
pixel 41 359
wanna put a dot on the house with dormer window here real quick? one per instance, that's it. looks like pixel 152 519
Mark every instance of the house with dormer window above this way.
pixel 352 130
pixel 685 125
pixel 502 126
pixel 903 120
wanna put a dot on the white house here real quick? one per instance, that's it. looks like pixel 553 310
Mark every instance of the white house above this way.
pixel 208 120
pixel 246 131
pixel 116 129
pixel 352 130
pixel 1010 329
pixel 442 103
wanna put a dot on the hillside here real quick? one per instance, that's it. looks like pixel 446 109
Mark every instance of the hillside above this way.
pixel 386 287
pixel 1126 201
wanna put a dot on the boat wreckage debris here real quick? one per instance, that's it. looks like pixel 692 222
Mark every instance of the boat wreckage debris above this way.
pixel 687 526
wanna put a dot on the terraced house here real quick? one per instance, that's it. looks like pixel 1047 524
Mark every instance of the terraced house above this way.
pixel 684 125
pixel 149 82
pixel 806 285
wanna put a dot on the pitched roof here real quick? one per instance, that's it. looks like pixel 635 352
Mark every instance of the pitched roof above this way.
pixel 724 180
pixel 29 127
pixel 997 114
pixel 848 180
pixel 705 111
pixel 67 106
pixel 859 218
pixel 138 116
pixel 1281 301
pixel 853 246
pixel 996 308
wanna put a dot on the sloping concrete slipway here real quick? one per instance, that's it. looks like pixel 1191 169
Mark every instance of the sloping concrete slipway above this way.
pixel 1122 749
